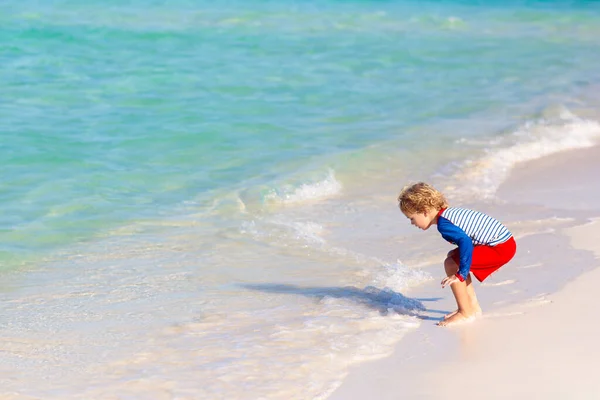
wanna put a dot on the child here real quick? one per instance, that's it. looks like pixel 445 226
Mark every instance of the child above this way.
pixel 484 244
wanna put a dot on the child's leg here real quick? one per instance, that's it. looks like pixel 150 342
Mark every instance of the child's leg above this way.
pixel 451 269
pixel 464 293
pixel 472 298
pixel 472 295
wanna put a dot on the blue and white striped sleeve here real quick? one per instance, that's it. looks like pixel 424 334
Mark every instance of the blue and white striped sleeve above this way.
pixel 454 234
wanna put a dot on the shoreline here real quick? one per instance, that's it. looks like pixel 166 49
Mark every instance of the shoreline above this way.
pixel 425 362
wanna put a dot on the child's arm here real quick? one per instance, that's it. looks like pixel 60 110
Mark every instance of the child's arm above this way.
pixel 454 234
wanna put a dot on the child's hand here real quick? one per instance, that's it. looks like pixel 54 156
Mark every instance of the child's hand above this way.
pixel 449 280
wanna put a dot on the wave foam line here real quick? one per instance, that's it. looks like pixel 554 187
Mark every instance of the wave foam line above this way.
pixel 534 140
pixel 307 192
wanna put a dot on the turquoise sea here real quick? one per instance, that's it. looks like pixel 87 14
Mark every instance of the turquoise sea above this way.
pixel 196 194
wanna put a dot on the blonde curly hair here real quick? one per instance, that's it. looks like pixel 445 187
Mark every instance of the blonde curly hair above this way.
pixel 419 198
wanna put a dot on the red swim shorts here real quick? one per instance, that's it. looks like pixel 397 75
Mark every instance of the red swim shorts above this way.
pixel 487 259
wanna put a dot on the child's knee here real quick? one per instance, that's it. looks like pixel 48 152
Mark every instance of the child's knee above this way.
pixel 450 266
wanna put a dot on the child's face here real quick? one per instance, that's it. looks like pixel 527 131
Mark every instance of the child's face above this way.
pixel 421 220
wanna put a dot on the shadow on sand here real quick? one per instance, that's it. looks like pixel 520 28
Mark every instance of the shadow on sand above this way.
pixel 384 301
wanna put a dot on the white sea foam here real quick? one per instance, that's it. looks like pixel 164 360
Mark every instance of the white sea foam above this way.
pixel 306 192
pixel 536 139
pixel 308 237
pixel 285 232
pixel 398 277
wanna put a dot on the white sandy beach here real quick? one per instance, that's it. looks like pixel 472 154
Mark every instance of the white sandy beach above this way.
pixel 543 347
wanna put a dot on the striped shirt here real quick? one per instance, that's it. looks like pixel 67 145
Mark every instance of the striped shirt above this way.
pixel 481 228
pixel 468 228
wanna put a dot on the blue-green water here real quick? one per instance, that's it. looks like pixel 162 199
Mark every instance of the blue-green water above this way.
pixel 115 115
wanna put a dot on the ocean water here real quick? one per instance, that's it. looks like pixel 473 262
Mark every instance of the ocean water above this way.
pixel 199 197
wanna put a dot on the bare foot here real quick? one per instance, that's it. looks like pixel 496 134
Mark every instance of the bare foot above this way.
pixel 456 318
pixel 478 313
pixel 450 314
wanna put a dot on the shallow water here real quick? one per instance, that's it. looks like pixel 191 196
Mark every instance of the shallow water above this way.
pixel 199 199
